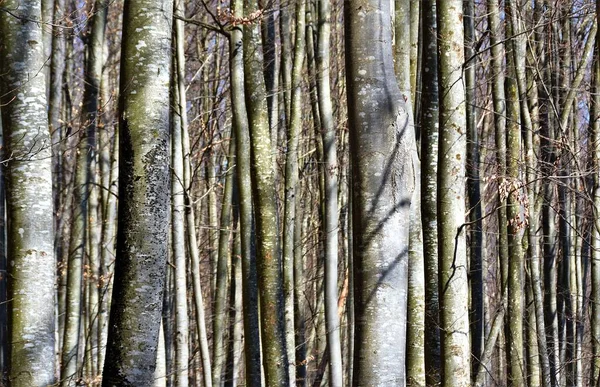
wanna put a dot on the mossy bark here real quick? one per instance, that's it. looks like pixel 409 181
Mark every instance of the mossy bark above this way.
pixel 140 267
pixel 264 198
pixel 454 283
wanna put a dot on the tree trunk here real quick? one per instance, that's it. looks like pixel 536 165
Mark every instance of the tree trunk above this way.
pixel 140 269
pixel 384 167
pixel 264 195
pixel 292 188
pixel 476 316
pixel 330 205
pixel 429 150
pixel 511 189
pixel 242 137
pixel 30 237
pixel 595 251
pixel 181 334
pixel 454 285
pixel 221 306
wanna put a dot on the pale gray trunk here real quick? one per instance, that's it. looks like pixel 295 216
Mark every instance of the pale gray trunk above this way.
pixel 30 237
pixel 415 335
pixel 292 188
pixel 70 355
pixel 236 326
pixel 110 157
pixel 140 269
pixel 330 207
pixel 57 68
pixel 220 316
pixel 160 373
pixel 190 225
pixel 384 171
pixel 499 104
pixel 93 78
pixel 402 46
pixel 179 259
pixel 529 118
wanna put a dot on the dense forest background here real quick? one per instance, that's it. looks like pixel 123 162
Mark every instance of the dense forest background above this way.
pixel 299 192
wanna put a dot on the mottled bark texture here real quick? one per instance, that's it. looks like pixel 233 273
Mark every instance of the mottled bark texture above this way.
pixel 292 188
pixel 140 267
pixel 454 283
pixel 382 144
pixel 30 237
pixel 264 195
pixel 429 150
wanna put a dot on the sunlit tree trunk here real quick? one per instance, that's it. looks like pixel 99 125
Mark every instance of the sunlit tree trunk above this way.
pixel 454 285
pixel 236 326
pixel 30 237
pixel 529 118
pixel 264 195
pixel 511 190
pixel 181 334
pixel 140 269
pixel 330 205
pixel 84 232
pixel 384 166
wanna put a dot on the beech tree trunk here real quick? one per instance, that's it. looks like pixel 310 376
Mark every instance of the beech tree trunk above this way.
pixel 383 149
pixel 140 268
pixel 454 283
pixel 30 237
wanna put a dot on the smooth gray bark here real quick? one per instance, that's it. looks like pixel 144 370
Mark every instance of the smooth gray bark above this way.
pixel 330 200
pixel 383 148
pixel 292 187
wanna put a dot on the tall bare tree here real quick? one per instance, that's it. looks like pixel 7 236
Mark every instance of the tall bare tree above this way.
pixel 30 238
pixel 454 282
pixel 140 269
pixel 383 149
